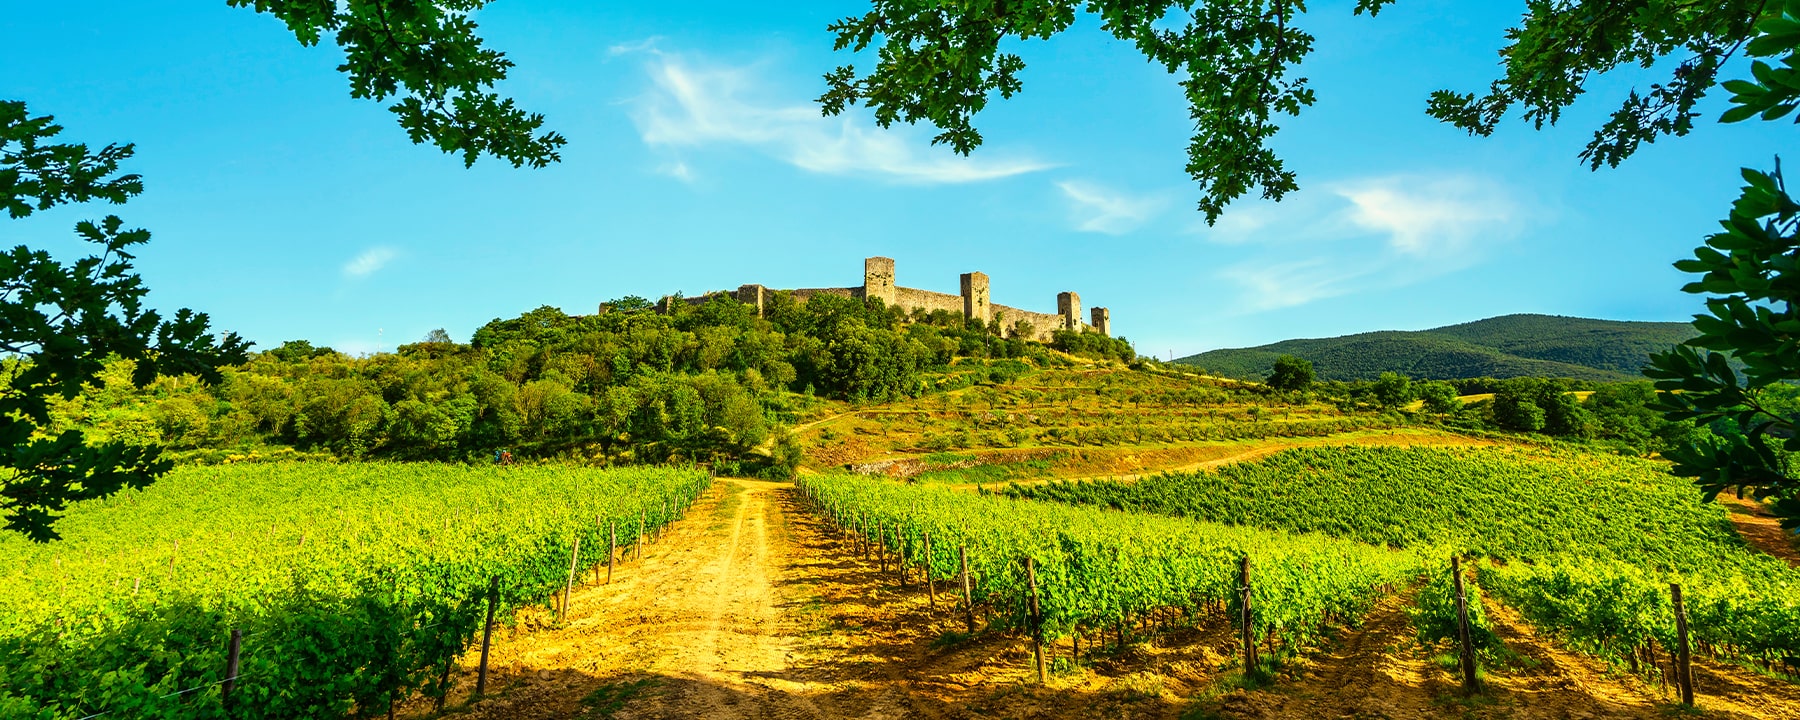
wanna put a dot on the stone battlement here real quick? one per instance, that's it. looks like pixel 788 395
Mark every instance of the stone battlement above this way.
pixel 973 302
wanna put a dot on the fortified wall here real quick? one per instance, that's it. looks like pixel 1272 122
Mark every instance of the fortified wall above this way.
pixel 973 302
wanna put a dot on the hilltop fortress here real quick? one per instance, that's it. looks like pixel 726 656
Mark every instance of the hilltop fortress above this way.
pixel 972 303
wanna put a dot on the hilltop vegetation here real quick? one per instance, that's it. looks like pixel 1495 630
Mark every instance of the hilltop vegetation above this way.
pixel 711 382
pixel 1501 347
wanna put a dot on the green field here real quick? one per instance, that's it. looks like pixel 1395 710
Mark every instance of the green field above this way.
pixel 353 584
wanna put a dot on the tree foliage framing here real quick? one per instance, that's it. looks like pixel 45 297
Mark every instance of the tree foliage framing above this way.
pixel 426 53
pixel 58 323
pixel 941 60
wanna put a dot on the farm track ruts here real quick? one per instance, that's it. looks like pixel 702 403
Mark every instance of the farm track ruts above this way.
pixel 1380 670
pixel 751 607
pixel 1760 528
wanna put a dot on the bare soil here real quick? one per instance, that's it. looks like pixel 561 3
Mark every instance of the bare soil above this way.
pixel 1382 670
pixel 1760 528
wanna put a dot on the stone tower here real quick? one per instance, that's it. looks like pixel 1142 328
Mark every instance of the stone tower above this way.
pixel 754 296
pixel 975 296
pixel 1068 305
pixel 1102 321
pixel 878 279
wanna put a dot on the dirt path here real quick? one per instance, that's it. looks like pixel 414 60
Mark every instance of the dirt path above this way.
pixel 1760 528
pixel 1212 455
pixel 698 628
pixel 1381 670
pixel 753 608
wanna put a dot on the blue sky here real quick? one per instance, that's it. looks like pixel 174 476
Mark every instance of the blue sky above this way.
pixel 697 161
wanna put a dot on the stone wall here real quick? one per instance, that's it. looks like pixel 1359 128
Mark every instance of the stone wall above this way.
pixel 1042 324
pixel 973 302
pixel 909 299
pixel 802 294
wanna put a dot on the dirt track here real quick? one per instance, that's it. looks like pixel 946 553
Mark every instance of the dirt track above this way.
pixel 725 617
pixel 752 608
pixel 702 626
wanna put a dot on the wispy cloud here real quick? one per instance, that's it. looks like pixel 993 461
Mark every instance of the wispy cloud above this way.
pixel 679 170
pixel 693 103
pixel 1429 217
pixel 370 261
pixel 1363 234
pixel 644 45
pixel 1094 208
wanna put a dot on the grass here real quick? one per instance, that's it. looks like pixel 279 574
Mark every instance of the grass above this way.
pixel 610 698
pixel 950 638
pixel 727 507
pixel 987 472
pixel 1206 703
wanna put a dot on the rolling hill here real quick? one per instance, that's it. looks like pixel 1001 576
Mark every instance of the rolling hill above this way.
pixel 1505 346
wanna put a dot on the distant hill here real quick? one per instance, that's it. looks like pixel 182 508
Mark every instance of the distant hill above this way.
pixel 1506 346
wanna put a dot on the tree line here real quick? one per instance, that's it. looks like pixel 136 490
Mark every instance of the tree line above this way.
pixel 711 382
pixel 1620 416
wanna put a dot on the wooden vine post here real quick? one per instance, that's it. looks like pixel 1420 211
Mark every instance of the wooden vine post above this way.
pixel 1470 682
pixel 1245 616
pixel 569 587
pixel 600 522
pixel 930 584
pixel 232 653
pixel 962 560
pixel 444 684
pixel 638 547
pixel 900 564
pixel 612 548
pixel 1684 669
pixel 487 635
pixel 1037 619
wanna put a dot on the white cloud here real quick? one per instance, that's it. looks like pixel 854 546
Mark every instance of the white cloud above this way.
pixel 370 261
pixel 1097 209
pixel 1428 217
pixel 694 104
pixel 1363 234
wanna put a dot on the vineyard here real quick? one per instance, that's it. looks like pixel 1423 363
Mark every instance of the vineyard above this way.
pixel 1588 544
pixel 1099 410
pixel 1093 570
pixel 353 586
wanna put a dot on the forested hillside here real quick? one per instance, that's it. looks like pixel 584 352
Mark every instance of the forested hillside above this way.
pixel 708 383
pixel 1501 347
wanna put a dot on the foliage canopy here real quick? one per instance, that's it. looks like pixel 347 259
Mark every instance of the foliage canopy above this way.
pixel 60 322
